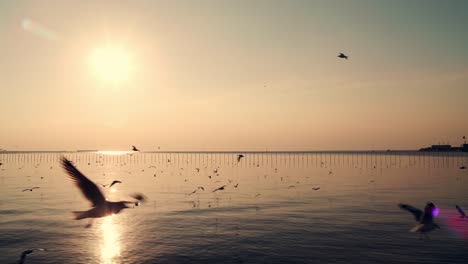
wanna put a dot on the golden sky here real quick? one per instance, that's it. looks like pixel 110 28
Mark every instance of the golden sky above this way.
pixel 232 75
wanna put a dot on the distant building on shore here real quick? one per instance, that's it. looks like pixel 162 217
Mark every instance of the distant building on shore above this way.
pixel 445 148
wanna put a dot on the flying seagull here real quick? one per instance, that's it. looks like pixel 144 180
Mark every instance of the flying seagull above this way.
pixel 239 157
pixel 135 149
pixel 27 252
pixel 110 185
pixel 462 214
pixel 341 55
pixel 220 188
pixel 199 188
pixel 30 189
pixel 316 189
pixel 425 220
pixel 100 206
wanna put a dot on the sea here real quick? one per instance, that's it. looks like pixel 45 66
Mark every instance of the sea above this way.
pixel 219 207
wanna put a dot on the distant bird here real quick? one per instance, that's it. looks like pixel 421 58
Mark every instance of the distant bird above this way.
pixel 239 157
pixel 257 195
pixel 198 169
pixel 100 206
pixel 316 189
pixel 463 168
pixel 30 189
pixel 215 171
pixel 135 148
pixel 342 56
pixel 219 189
pixel 27 252
pixel 110 185
pixel 462 214
pixel 425 220
pixel 291 186
pixel 237 185
pixel 199 188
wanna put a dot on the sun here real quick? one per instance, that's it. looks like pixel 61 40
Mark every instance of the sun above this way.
pixel 111 64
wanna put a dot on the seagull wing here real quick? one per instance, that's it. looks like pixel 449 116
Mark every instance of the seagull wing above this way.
pixel 114 182
pixel 415 211
pixel 462 214
pixel 87 187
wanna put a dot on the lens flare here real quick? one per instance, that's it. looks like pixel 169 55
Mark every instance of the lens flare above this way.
pixel 37 29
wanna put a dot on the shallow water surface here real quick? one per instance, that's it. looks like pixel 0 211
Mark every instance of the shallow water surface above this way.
pixel 274 215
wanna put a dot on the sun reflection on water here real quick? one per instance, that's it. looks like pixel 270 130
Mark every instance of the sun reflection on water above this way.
pixel 110 248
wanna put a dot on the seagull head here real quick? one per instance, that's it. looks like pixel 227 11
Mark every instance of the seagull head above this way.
pixel 431 209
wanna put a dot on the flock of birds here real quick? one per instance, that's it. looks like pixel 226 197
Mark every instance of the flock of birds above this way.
pixel 101 207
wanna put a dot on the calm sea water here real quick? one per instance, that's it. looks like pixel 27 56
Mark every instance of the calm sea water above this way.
pixel 273 216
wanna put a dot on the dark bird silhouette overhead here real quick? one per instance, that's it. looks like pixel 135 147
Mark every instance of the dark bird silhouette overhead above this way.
pixel 30 189
pixel 315 189
pixel 239 157
pixel 100 206
pixel 219 188
pixel 463 168
pixel 460 211
pixel 135 148
pixel 424 219
pixel 341 55
pixel 27 252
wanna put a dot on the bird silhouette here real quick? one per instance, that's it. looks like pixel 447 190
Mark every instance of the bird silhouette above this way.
pixel 100 206
pixel 27 252
pixel 341 55
pixel 462 214
pixel 114 182
pixel 135 148
pixel 30 189
pixel 198 188
pixel 316 189
pixel 463 168
pixel 239 157
pixel 425 220
pixel 237 185
pixel 219 188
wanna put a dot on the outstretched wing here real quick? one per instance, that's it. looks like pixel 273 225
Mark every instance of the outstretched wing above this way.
pixel 415 211
pixel 462 214
pixel 114 182
pixel 87 187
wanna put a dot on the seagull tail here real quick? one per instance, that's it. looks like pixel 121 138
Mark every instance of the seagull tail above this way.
pixel 80 214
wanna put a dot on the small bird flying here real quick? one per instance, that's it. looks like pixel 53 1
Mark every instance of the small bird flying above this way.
pixel 30 189
pixel 135 148
pixel 425 220
pixel 342 56
pixel 219 188
pixel 239 157
pixel 100 206
pixel 315 189
pixel 460 211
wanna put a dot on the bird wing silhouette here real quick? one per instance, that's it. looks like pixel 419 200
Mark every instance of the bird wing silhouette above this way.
pixel 88 188
pixel 462 214
pixel 114 182
pixel 415 211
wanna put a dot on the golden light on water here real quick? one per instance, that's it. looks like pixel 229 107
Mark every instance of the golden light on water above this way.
pixel 112 64
pixel 110 247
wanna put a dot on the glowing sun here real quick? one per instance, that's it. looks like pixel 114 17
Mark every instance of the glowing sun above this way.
pixel 111 64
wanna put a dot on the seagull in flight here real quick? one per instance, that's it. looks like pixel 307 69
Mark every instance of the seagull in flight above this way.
pixel 425 220
pixel 110 185
pixel 316 189
pixel 30 189
pixel 462 214
pixel 341 55
pixel 219 189
pixel 135 148
pixel 100 206
pixel 199 188
pixel 239 157
pixel 27 252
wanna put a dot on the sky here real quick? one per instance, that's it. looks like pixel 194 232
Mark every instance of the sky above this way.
pixel 232 75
